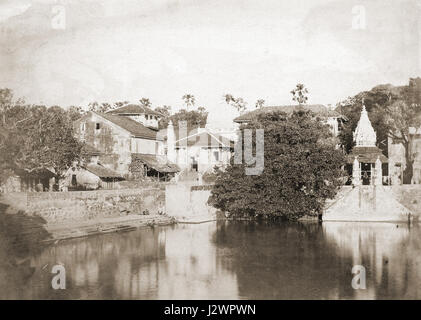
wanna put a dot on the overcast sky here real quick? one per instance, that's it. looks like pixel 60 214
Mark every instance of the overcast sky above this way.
pixel 161 49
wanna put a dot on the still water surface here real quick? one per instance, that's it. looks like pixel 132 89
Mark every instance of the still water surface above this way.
pixel 227 260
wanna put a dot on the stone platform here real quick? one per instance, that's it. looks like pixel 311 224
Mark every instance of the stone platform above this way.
pixel 368 203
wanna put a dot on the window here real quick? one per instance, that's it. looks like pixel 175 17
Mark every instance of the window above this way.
pixel 216 155
pixel 97 126
pixel 339 125
pixel 147 117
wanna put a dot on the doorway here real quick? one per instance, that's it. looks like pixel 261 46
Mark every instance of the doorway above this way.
pixel 366 173
pixel 194 165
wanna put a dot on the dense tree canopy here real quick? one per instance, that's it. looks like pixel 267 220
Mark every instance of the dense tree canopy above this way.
pixel 302 168
pixel 107 106
pixel 36 137
pixel 194 118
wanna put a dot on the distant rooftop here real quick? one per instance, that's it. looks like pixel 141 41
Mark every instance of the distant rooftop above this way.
pixel 205 139
pixel 158 162
pixel 318 109
pixel 134 109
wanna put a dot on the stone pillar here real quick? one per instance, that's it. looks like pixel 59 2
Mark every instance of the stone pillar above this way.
pixel 171 153
pixel 379 173
pixel 391 171
pixel 356 173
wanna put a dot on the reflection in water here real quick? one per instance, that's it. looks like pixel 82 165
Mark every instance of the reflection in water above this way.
pixel 20 236
pixel 229 260
pixel 389 252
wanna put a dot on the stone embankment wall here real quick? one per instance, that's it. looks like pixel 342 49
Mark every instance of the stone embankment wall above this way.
pixel 58 207
pixel 410 196
pixel 375 203
pixel 189 202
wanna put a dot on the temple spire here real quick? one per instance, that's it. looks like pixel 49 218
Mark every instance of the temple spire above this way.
pixel 364 134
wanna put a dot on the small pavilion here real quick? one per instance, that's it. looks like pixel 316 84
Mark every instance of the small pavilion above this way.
pixel 366 159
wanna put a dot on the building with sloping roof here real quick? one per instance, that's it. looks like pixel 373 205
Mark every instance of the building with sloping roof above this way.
pixel 199 150
pixel 159 166
pixel 111 139
pixel 90 177
pixel 138 113
pixel 330 116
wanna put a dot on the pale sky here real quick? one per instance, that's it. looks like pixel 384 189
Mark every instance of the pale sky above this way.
pixel 161 49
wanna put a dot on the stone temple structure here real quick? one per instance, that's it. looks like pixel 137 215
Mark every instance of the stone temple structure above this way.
pixel 366 159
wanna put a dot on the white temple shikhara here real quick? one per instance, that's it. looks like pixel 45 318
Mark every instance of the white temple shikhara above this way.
pixel 366 158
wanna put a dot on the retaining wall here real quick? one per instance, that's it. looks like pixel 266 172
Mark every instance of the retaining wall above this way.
pixel 56 207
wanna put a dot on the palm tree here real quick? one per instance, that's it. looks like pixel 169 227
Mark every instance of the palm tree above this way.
pixel 145 102
pixel 260 103
pixel 228 98
pixel 189 100
pixel 237 103
pixel 299 94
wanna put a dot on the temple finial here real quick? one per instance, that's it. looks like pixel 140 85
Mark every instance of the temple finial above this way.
pixel 364 134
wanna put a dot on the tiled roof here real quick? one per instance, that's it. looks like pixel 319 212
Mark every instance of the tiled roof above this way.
pixel 318 109
pixel 157 162
pixel 135 128
pixel 102 171
pixel 134 109
pixel 179 132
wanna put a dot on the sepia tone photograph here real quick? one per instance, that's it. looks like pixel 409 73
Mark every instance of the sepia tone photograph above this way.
pixel 216 150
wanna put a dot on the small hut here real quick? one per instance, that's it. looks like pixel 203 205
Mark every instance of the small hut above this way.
pixel 92 176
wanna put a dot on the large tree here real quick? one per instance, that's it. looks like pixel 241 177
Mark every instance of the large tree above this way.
pixel 53 144
pixel 166 113
pixel 402 116
pixel 302 168
pixel 194 118
pixel 375 100
pixel 36 137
